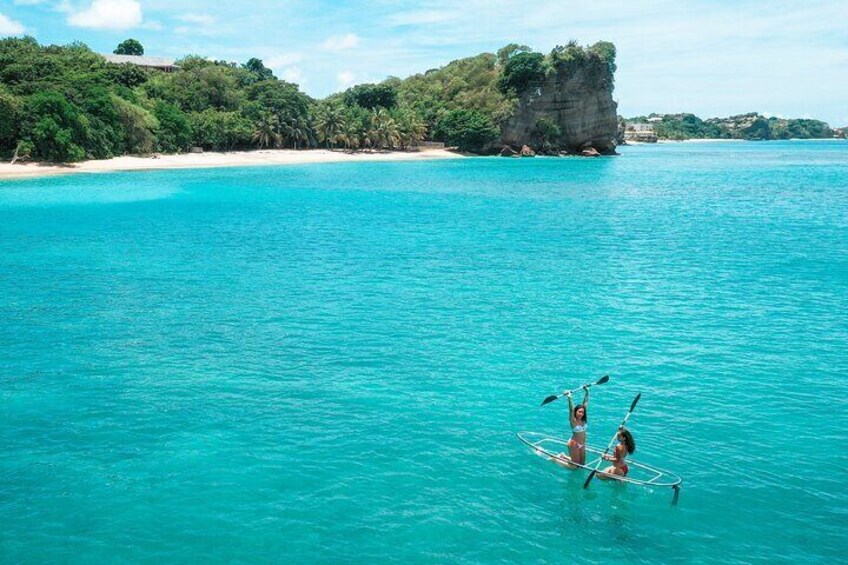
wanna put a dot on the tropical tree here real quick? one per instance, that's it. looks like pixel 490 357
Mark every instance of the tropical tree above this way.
pixel 129 47
pixel 138 125
pixel 174 133
pixel 371 96
pixel 56 128
pixel 259 71
pixel 384 131
pixel 467 129
pixel 506 52
pixel 330 124
pixel 297 130
pixel 411 127
pixel 10 108
pixel 266 133
pixel 520 71
pixel 351 136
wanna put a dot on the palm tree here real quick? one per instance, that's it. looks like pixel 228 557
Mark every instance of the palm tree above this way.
pixel 411 128
pixel 351 136
pixel 266 131
pixel 296 129
pixel 330 125
pixel 384 130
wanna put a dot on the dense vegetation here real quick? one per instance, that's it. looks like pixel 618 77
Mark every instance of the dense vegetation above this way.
pixel 66 103
pixel 750 126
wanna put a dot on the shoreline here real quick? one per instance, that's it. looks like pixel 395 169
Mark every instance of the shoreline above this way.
pixel 211 159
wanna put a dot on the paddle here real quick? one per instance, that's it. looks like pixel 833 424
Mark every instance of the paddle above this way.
pixel 600 461
pixel 553 397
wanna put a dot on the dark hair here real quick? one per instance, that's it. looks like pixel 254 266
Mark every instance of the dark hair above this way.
pixel 629 442
pixel 585 412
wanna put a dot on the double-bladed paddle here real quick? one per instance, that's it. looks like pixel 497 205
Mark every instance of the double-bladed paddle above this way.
pixel 553 397
pixel 601 460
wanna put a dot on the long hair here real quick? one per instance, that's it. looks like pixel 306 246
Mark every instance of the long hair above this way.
pixel 629 442
pixel 585 413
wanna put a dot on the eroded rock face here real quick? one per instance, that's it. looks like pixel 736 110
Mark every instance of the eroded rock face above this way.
pixel 577 97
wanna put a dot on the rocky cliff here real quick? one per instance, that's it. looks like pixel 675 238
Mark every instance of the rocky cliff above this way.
pixel 570 108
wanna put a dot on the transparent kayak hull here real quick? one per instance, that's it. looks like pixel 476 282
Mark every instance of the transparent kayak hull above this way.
pixel 556 450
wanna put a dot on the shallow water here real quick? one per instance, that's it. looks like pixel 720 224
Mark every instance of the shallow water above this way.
pixel 329 363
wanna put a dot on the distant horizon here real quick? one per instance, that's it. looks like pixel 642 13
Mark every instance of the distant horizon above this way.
pixel 711 59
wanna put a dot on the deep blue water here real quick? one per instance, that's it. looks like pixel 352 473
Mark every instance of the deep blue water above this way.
pixel 328 363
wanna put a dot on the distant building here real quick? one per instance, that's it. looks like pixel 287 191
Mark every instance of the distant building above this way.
pixel 640 132
pixel 158 63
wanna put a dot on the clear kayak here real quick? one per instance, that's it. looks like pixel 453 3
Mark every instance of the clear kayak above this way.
pixel 556 450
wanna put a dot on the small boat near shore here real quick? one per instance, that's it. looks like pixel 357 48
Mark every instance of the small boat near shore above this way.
pixel 556 450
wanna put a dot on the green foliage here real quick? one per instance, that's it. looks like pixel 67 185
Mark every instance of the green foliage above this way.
pixel 571 53
pixel 277 97
pixel 371 96
pixel 138 126
pixel 67 103
pixel 174 133
pixel 258 70
pixel 606 51
pixel 330 124
pixel 506 52
pixel 129 47
pixel 465 84
pixel 521 70
pixel 220 130
pixel 56 128
pixel 547 132
pixel 127 75
pixel 23 150
pixel 467 129
pixel 751 127
pixel 799 129
pixel 685 126
pixel 10 114
pixel 200 87
pixel 411 129
pixel 758 130
pixel 267 132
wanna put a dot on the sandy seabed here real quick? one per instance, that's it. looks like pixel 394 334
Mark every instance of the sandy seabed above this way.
pixel 213 159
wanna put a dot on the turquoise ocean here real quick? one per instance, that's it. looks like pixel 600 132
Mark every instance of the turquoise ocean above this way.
pixel 329 363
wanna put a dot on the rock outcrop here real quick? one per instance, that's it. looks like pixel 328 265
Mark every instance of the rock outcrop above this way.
pixel 577 98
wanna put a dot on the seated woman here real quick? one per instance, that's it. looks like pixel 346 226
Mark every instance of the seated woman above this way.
pixel 626 446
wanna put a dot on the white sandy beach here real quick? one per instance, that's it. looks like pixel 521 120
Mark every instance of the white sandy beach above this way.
pixel 212 159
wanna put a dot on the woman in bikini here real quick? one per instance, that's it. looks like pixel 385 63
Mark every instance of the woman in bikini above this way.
pixel 577 419
pixel 626 446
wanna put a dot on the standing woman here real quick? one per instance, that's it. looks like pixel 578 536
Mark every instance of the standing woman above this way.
pixel 626 446
pixel 577 419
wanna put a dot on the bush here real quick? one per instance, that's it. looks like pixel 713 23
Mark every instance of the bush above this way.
pixel 56 128
pixel 371 96
pixel 174 133
pixel 520 71
pixel 469 130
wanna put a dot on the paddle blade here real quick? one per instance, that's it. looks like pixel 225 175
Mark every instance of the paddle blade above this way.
pixel 635 401
pixel 602 380
pixel 549 399
pixel 676 495
pixel 589 478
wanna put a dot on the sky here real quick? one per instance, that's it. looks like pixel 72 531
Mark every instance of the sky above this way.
pixel 784 58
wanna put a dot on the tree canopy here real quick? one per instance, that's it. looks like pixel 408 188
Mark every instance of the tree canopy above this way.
pixel 129 47
pixel 752 127
pixel 66 103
